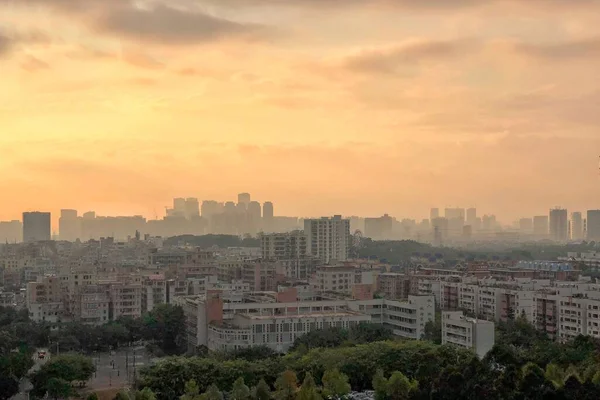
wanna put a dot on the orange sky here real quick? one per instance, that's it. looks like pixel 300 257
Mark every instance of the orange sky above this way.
pixel 322 106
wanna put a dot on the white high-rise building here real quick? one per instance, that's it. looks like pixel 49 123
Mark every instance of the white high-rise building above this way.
pixel 576 226
pixel 559 225
pixel 36 226
pixel 328 238
pixel 593 225
pixel 69 226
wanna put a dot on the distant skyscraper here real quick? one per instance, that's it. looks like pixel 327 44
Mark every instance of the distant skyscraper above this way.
pixel 254 216
pixel 576 226
pixel 526 226
pixel 488 223
pixel 455 213
pixel 328 238
pixel 192 207
pixel 439 227
pixel 434 213
pixel 11 231
pixel 230 208
pixel 456 221
pixel 593 225
pixel 540 226
pixel 268 210
pixel 379 228
pixel 244 198
pixel 179 207
pixel 471 216
pixel 36 226
pixel 210 208
pixel 69 226
pixel 559 225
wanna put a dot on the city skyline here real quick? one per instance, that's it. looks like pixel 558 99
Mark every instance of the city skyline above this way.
pixel 425 214
pixel 486 103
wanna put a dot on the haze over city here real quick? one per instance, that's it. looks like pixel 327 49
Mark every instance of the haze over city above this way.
pixel 323 107
pixel 299 199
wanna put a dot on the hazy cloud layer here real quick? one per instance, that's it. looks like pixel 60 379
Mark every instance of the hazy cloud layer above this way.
pixel 387 60
pixel 169 25
pixel 563 51
pixel 453 99
pixel 5 44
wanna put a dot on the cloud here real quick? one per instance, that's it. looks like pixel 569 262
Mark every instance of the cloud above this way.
pixel 5 44
pixel 8 41
pixel 586 48
pixel 389 59
pixel 33 64
pixel 141 60
pixel 173 26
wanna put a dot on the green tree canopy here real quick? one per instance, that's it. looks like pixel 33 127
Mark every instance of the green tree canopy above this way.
pixel 308 391
pixel 239 391
pixel 286 386
pixel 335 384
pixel 262 391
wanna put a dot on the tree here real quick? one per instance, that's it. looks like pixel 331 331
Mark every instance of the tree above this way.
pixel 369 333
pixel 380 384
pixel 332 337
pixel 253 353
pixel 92 396
pixel 399 387
pixel 68 368
pixel 533 383
pixel 16 364
pixel 9 386
pixel 58 388
pixel 213 393
pixel 335 384
pixel 166 325
pixel 433 330
pixel 555 375
pixel 286 386
pixel 7 342
pixel 144 394
pixel 192 391
pixel 122 395
pixel 262 391
pixel 240 391
pixel 308 391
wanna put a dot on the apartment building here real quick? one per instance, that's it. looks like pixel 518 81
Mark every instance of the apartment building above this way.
pixel 284 246
pixel 335 278
pixel 261 275
pixel 545 312
pixel 8 299
pixel 126 299
pixel 92 305
pixel 328 239
pixel 44 300
pixel 155 291
pixel 423 287
pixel 394 286
pixel 572 317
pixel 469 333
pixel 273 320
pixel 291 250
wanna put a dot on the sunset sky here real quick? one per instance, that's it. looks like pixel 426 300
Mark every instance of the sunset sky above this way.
pixel 355 107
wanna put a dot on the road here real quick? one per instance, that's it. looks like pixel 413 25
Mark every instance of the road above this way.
pixel 118 368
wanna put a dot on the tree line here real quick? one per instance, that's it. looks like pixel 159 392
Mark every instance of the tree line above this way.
pixel 163 329
pixel 524 364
